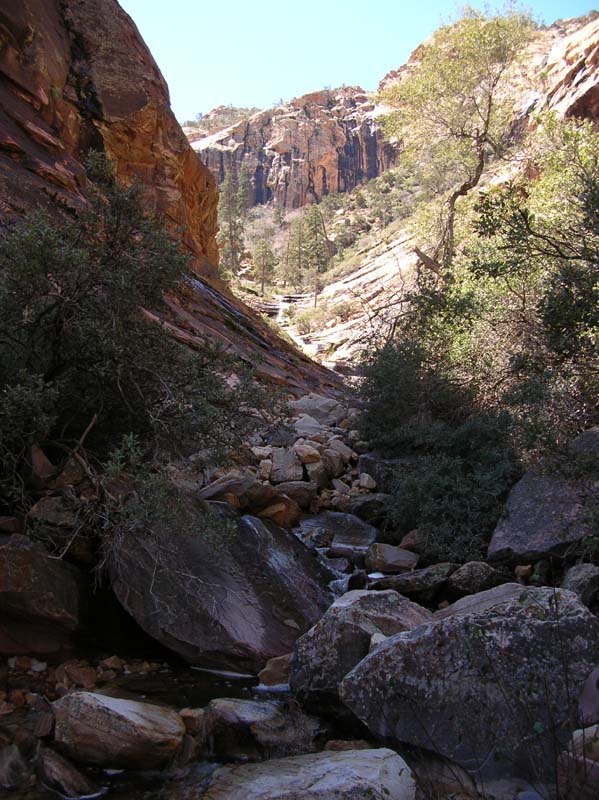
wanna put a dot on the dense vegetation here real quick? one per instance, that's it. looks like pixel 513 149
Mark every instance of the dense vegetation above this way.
pixel 493 360
pixel 83 367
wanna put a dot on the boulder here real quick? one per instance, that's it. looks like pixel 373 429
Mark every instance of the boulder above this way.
pixel 62 777
pixel 40 599
pixel 307 426
pixel 473 577
pixel 333 463
pixel 284 511
pixel 302 492
pixel 338 446
pixel 346 775
pixel 545 513
pixel 228 598
pixel 307 454
pixel 387 558
pixel 347 536
pixel 325 410
pixel 112 732
pixel 286 466
pixel 421 585
pixel 583 580
pixel 341 639
pixel 253 730
pixel 430 686
pixel 482 601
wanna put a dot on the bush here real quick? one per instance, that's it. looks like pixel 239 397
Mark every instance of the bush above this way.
pixel 79 352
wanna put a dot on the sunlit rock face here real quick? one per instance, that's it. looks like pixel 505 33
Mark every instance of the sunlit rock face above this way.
pixel 75 76
pixel 295 154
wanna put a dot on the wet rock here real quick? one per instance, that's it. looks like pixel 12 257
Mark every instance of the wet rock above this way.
pixel 341 639
pixel 583 580
pixel 325 410
pixel 387 558
pixel 474 577
pixel 61 776
pixel 256 730
pixel 277 671
pixel 229 599
pixel 350 775
pixel 431 684
pixel 347 536
pixel 40 599
pixel 286 466
pixel 112 732
pixel 420 585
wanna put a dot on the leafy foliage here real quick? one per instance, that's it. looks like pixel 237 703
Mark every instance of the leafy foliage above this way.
pixel 81 354
pixel 450 114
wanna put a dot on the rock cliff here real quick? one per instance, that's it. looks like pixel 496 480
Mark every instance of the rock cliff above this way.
pixel 327 141
pixel 75 76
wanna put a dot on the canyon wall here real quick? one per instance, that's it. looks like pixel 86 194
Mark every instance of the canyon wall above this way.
pixel 75 75
pixel 296 153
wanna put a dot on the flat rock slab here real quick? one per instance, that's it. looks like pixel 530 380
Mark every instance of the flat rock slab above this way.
pixel 112 732
pixel 342 638
pixel 488 688
pixel 388 558
pixel 347 775
pixel 230 599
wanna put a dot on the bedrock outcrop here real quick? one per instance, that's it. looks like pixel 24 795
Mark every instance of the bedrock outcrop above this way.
pixel 296 153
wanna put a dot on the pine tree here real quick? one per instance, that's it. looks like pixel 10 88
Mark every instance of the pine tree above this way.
pixel 265 261
pixel 231 226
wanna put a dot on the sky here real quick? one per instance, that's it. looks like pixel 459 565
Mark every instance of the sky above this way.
pixel 258 52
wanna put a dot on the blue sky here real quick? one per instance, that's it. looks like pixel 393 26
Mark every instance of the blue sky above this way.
pixel 256 53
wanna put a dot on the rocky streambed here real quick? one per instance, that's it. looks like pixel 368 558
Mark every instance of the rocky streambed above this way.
pixel 299 654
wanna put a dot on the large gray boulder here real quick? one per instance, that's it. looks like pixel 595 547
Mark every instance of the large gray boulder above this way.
pixel 40 599
pixel 230 596
pixel 349 775
pixel 342 638
pixel 113 732
pixel 550 508
pixel 325 410
pixel 492 691
pixel 347 535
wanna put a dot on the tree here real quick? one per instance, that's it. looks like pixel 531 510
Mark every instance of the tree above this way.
pixel 450 112
pixel 291 270
pixel 231 214
pixel 317 249
pixel 265 261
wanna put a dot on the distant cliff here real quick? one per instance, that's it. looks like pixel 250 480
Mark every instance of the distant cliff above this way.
pixel 327 141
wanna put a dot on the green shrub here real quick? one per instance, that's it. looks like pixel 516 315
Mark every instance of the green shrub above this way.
pixel 79 352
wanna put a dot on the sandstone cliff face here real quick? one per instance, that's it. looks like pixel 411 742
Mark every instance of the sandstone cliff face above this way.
pixel 75 75
pixel 327 141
